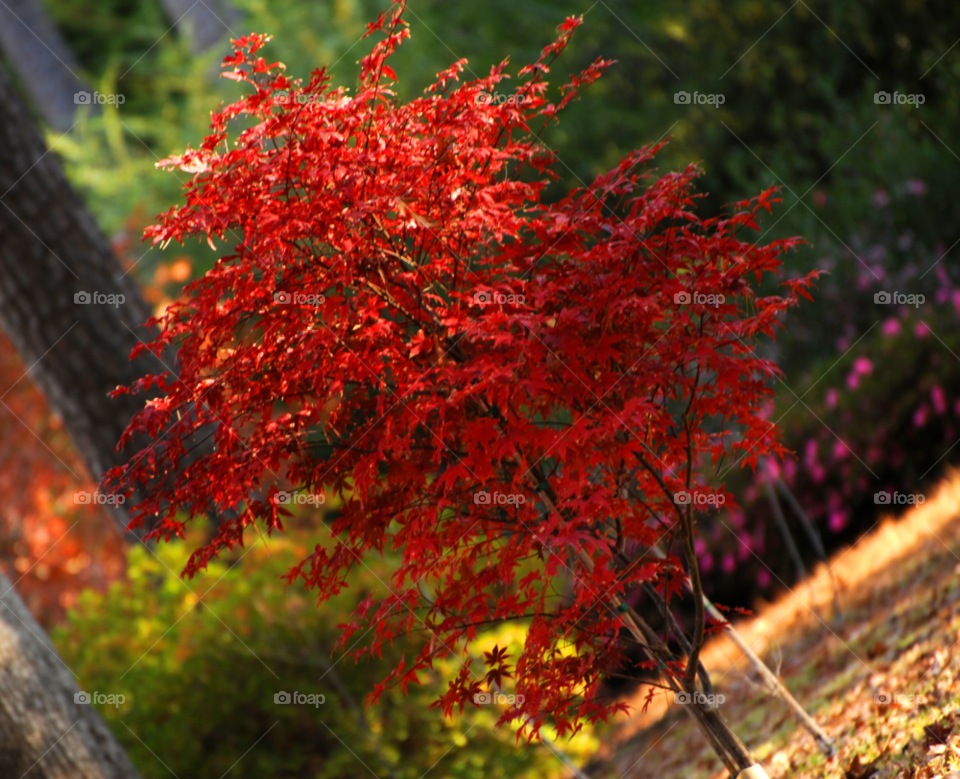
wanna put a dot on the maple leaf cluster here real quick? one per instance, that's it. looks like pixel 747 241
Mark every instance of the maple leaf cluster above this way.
pixel 506 392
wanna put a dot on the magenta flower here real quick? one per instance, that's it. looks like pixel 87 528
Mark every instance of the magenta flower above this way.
pixel 728 564
pixel 939 400
pixel 706 563
pixel 837 520
pixel 832 397
pixel 892 326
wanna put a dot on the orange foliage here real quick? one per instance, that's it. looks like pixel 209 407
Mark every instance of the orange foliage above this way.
pixel 50 547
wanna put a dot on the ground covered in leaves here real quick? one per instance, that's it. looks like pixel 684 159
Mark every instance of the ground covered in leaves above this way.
pixel 876 662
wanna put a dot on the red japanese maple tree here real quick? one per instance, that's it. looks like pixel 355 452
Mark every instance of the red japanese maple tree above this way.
pixel 508 392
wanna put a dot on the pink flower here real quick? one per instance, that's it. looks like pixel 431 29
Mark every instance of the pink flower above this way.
pixel 810 453
pixel 880 198
pixel 790 469
pixel 837 520
pixel 956 300
pixel 920 416
pixel 706 563
pixel 921 330
pixel 939 400
pixel 862 365
pixel 917 187
pixel 832 397
pixel 728 564
pixel 892 325
pixel 853 380
pixel 840 451
pixel 763 578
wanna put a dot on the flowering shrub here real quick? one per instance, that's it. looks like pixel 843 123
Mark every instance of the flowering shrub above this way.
pixel 884 418
pixel 460 338
pixel 200 673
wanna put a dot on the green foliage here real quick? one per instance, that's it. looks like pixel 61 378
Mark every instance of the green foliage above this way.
pixel 200 660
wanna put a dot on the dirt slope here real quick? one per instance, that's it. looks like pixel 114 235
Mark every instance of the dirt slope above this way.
pixel 895 638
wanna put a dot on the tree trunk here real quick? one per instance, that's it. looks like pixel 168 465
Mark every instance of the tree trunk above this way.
pixel 204 23
pixel 45 65
pixel 44 732
pixel 52 259
pixel 50 252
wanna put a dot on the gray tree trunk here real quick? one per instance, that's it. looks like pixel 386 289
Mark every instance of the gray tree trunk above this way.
pixel 43 62
pixel 204 22
pixel 44 732
pixel 51 256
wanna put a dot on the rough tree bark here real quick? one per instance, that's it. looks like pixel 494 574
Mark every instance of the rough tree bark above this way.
pixel 45 65
pixel 44 733
pixel 50 251
pixel 204 22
